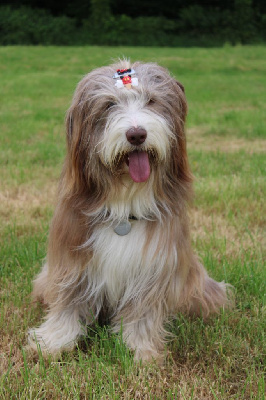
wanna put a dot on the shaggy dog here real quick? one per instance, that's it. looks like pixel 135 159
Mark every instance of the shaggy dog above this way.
pixel 119 239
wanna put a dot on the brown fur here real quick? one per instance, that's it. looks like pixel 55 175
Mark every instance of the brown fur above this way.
pixel 175 279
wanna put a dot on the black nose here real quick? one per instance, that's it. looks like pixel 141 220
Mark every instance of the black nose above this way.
pixel 136 136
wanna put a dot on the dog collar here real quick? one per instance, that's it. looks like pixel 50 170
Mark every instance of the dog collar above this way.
pixel 124 78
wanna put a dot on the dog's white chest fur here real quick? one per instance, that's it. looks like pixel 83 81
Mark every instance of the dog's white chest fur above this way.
pixel 121 265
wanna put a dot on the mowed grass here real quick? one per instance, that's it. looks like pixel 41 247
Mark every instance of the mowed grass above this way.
pixel 218 359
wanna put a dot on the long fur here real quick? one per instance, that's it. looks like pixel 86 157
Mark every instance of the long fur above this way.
pixel 150 274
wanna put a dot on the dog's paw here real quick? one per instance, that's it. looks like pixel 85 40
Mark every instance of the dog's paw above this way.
pixel 149 356
pixel 49 342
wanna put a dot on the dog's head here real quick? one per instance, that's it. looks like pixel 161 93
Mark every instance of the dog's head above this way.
pixel 114 130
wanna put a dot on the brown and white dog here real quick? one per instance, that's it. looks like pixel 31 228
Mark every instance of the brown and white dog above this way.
pixel 119 239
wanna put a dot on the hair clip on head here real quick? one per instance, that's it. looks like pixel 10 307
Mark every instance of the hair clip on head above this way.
pixel 124 78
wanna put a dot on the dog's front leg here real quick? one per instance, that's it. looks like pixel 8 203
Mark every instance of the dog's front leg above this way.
pixel 59 331
pixel 142 334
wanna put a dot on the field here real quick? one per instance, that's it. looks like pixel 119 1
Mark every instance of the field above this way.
pixel 218 359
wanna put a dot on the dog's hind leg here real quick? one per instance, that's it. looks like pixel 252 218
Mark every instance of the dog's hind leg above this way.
pixel 202 295
pixel 213 298
pixel 40 284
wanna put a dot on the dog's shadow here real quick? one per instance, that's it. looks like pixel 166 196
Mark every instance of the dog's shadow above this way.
pixel 101 344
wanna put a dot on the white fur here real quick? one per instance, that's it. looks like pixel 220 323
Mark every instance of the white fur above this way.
pixel 119 268
pixel 59 331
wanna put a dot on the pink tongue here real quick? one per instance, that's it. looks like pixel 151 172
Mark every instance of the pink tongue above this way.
pixel 139 166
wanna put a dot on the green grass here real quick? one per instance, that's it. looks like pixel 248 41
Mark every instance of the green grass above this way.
pixel 219 359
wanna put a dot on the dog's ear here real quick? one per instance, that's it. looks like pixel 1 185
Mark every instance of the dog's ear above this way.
pixel 73 124
pixel 75 158
pixel 180 92
pixel 69 125
pixel 180 164
pixel 181 86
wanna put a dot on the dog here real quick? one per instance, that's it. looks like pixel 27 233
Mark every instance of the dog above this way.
pixel 119 240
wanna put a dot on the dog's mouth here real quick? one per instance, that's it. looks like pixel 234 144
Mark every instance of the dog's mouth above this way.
pixel 138 165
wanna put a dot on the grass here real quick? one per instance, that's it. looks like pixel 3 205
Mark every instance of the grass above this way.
pixel 220 359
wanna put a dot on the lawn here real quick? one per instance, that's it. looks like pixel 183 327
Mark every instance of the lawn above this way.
pixel 218 359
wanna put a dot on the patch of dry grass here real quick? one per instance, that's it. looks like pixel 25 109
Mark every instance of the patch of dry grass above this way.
pixel 198 140
pixel 27 205
pixel 215 230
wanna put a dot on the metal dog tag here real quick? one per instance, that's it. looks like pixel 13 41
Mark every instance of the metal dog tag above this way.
pixel 123 228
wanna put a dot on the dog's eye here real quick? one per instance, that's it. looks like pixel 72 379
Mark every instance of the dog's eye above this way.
pixel 110 105
pixel 150 102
